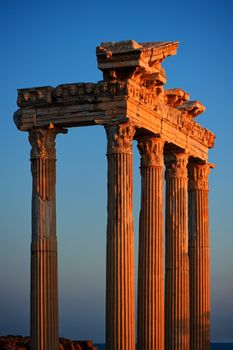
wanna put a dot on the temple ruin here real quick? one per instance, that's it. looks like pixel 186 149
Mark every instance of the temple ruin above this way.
pixel 131 103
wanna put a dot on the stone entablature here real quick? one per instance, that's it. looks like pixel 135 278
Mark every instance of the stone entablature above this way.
pixel 80 104
pixel 132 90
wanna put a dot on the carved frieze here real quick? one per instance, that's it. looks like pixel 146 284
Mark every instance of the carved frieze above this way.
pixel 180 119
pixel 198 176
pixel 73 92
pixel 32 96
pixel 176 164
pixel 151 151
pixel 185 124
pixel 111 89
pixel 66 93
pixel 120 138
pixel 151 98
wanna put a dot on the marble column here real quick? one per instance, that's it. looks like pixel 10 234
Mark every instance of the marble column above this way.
pixel 120 314
pixel 199 256
pixel 44 289
pixel 150 321
pixel 177 313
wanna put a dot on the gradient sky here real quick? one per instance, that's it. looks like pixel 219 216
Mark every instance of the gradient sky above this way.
pixel 53 42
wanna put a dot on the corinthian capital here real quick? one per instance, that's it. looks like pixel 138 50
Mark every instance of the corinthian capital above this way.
pixel 176 165
pixel 120 138
pixel 151 151
pixel 198 176
pixel 43 142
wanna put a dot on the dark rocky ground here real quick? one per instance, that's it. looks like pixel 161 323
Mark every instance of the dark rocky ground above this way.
pixel 11 342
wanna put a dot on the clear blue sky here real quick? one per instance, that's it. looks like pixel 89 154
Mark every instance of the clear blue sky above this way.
pixel 53 42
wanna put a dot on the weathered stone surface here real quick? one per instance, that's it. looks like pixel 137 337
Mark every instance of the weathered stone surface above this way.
pixel 44 285
pixel 12 342
pixel 199 255
pixel 192 108
pixel 120 314
pixel 150 321
pixel 177 312
pixel 129 59
pixel 175 97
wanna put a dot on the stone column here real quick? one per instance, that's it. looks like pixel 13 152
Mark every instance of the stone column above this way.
pixel 199 256
pixel 44 289
pixel 120 323
pixel 177 313
pixel 150 326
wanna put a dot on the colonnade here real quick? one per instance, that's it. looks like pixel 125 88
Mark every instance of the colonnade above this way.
pixel 173 300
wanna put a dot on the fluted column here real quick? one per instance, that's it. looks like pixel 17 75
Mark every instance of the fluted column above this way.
pixel 177 314
pixel 120 324
pixel 199 256
pixel 150 321
pixel 44 289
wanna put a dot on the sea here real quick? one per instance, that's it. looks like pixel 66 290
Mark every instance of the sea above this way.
pixel 214 346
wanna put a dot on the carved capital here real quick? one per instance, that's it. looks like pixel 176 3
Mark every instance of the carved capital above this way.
pixel 176 165
pixel 43 142
pixel 151 151
pixel 198 176
pixel 120 138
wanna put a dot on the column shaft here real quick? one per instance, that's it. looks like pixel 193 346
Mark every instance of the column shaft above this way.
pixel 44 284
pixel 177 314
pixel 199 257
pixel 120 333
pixel 150 326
